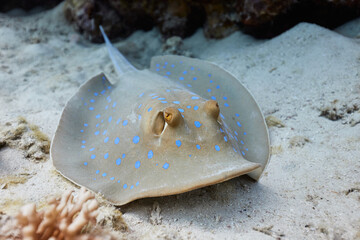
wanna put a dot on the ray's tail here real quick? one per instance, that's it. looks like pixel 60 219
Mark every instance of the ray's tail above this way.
pixel 121 65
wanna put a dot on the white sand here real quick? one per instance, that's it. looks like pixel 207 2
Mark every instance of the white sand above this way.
pixel 309 191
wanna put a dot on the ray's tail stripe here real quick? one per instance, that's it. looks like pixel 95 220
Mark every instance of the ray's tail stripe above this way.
pixel 121 65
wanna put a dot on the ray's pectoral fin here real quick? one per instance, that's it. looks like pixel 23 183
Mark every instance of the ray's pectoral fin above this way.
pixel 79 109
pixel 240 113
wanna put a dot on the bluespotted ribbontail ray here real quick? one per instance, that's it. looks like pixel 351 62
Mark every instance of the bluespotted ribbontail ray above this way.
pixel 180 125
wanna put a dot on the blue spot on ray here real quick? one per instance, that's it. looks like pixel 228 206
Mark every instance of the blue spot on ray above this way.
pixel 97 133
pixel 178 143
pixel 117 140
pixel 106 139
pixel 125 186
pixel 217 148
pixel 106 155
pixel 181 110
pixel 196 108
pixel 197 124
pixel 118 161
pixel 176 102
pixel 136 139
pixel 137 164
pixel 237 115
pixel 198 146
pixel 238 124
pixel 91 108
pixel 194 97
pixel 104 174
pixel 213 97
pixel 93 156
pixel 150 154
pixel 166 166
pixel 125 122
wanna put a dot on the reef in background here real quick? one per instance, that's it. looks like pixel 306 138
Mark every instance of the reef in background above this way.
pixel 261 18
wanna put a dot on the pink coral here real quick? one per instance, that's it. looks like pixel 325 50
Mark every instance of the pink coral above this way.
pixel 65 218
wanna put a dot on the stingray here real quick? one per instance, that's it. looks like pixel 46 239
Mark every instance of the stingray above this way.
pixel 181 125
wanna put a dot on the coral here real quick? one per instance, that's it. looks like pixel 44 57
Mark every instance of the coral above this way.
pixel 272 121
pixel 155 217
pixel 347 111
pixel 298 141
pixel 182 18
pixel 27 137
pixel 174 45
pixel 111 218
pixel 65 218
pixel 13 180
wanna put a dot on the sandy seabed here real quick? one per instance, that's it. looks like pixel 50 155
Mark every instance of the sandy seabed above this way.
pixel 307 79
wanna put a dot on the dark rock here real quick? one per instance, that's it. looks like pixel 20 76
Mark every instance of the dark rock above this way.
pixel 261 18
pixel 7 5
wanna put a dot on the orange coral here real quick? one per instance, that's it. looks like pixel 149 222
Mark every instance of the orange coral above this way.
pixel 64 219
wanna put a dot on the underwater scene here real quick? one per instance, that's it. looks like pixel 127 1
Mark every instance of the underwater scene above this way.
pixel 179 119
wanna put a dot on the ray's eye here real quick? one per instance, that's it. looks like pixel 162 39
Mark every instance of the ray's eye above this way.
pixel 172 116
pixel 159 123
pixel 211 107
